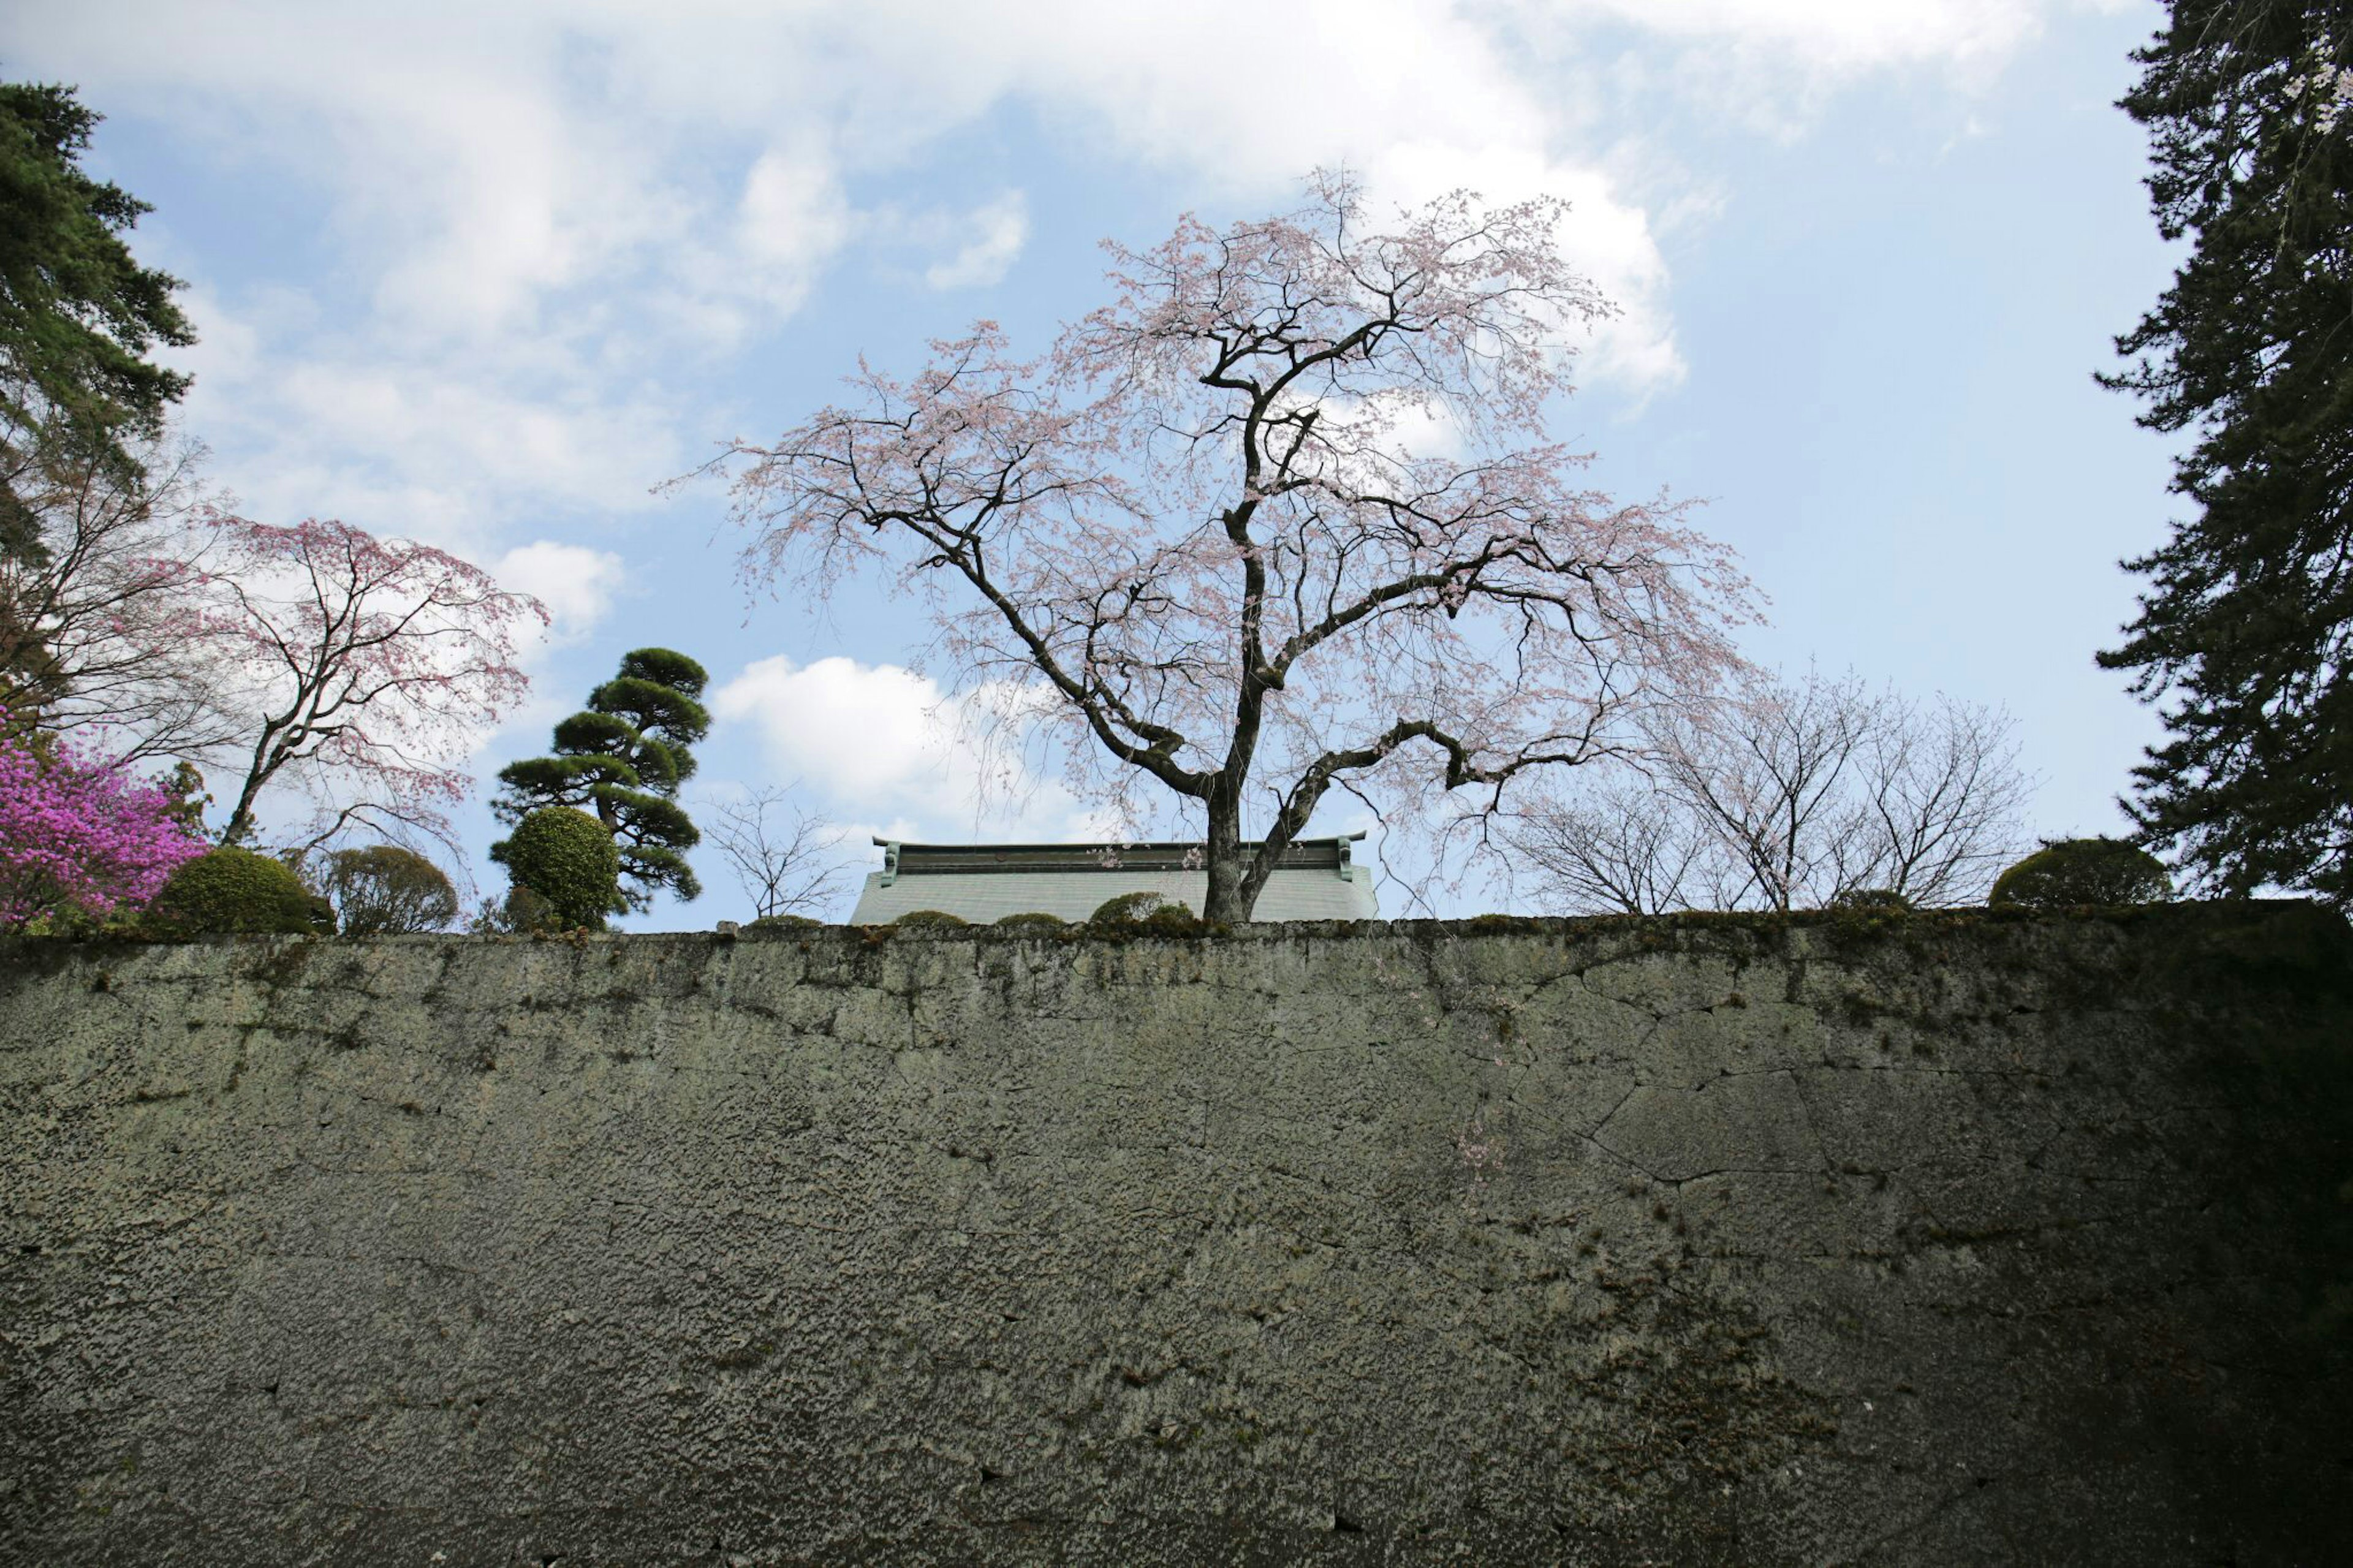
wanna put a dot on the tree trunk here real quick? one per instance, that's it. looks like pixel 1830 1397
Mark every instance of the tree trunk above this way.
pixel 1229 861
pixel 241 817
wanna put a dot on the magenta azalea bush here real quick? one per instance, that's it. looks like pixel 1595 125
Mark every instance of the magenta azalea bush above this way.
pixel 80 835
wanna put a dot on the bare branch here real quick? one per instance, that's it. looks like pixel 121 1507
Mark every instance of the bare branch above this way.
pixel 1791 795
pixel 785 860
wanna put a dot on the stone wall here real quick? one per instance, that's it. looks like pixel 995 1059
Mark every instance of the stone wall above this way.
pixel 1946 1241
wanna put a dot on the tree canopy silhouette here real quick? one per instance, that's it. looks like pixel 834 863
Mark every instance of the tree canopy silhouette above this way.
pixel 2247 620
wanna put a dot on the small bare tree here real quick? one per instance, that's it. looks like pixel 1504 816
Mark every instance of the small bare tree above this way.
pixel 1767 776
pixel 1943 800
pixel 1786 797
pixel 783 857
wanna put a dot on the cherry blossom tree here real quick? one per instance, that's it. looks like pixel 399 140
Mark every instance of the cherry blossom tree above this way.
pixel 78 835
pixel 104 625
pixel 1282 519
pixel 368 664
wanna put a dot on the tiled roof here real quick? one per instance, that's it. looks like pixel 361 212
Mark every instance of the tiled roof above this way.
pixel 981 882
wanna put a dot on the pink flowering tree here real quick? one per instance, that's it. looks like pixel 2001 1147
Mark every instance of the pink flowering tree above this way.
pixel 103 627
pixel 80 835
pixel 1284 518
pixel 368 664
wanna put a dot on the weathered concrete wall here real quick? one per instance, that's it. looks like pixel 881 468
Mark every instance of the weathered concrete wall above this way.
pixel 1950 1241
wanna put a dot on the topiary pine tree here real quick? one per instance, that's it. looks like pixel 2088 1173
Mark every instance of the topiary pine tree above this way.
pixel 621 759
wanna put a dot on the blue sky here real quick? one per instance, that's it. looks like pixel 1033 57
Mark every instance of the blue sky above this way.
pixel 486 281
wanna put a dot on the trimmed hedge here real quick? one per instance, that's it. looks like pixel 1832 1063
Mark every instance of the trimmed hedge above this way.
pixel 1031 919
pixel 2069 873
pixel 568 858
pixel 232 890
pixel 1871 901
pixel 930 917
pixel 1134 909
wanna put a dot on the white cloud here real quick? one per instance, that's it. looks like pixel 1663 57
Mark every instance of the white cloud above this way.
pixel 792 218
pixel 1768 65
pixel 488 170
pixel 1000 227
pixel 550 219
pixel 1843 35
pixel 308 423
pixel 885 742
pixel 577 585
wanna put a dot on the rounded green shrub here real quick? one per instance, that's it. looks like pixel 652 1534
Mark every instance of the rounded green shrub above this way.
pixel 1031 919
pixel 930 917
pixel 232 890
pixel 568 858
pixel 786 923
pixel 385 890
pixel 2068 873
pixel 1134 909
pixel 1870 901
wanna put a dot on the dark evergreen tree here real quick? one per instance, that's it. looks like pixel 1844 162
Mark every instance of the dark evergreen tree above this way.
pixel 2243 628
pixel 77 313
pixel 622 758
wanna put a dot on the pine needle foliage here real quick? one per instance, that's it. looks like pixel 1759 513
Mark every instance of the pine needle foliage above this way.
pixel 2242 635
pixel 78 315
pixel 622 758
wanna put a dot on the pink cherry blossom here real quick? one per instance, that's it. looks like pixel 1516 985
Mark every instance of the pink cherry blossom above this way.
pixel 369 663
pixel 1284 518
